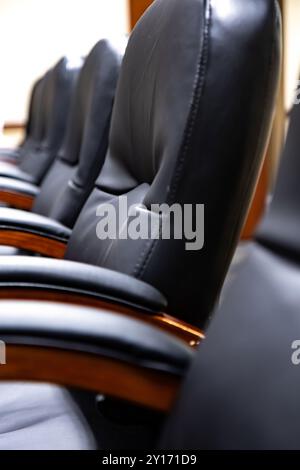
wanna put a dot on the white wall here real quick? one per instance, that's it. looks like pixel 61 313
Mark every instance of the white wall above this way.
pixel 34 34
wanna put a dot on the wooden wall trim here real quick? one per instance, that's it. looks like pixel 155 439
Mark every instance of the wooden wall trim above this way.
pixel 14 126
pixel 136 9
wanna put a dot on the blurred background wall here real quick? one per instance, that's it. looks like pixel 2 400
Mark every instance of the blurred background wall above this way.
pixel 34 34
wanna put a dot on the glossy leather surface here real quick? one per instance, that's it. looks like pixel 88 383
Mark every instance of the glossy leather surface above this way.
pixel 13 219
pixel 14 171
pixel 34 127
pixel 72 277
pixel 42 414
pixel 234 78
pixel 280 228
pixel 72 175
pixel 18 186
pixel 194 101
pixel 58 84
pixel 87 330
pixel 242 391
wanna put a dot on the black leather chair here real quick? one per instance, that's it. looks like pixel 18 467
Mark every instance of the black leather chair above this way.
pixel 34 128
pixel 58 85
pixel 147 158
pixel 248 395
pixel 182 131
pixel 66 186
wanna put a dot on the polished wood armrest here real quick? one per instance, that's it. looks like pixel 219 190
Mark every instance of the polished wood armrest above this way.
pixel 153 389
pixel 40 244
pixel 184 331
pixel 17 200
pixel 76 347
pixel 10 160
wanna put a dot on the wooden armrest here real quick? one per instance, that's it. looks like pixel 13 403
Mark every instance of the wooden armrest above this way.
pixel 17 200
pixel 9 160
pixel 152 389
pixel 90 286
pixel 184 331
pixel 37 243
pixel 108 353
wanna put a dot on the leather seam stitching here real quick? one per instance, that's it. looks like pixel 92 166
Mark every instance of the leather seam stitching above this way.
pixel 198 88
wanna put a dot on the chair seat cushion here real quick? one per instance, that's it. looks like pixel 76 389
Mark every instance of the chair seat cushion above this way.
pixel 41 417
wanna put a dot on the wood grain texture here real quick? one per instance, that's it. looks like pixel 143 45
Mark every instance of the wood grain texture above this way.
pixel 17 200
pixel 156 390
pixel 187 333
pixel 33 242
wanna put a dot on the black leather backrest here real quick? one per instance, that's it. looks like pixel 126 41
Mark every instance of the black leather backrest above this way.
pixel 72 175
pixel 54 110
pixel 39 118
pixel 280 228
pixel 190 124
pixel 32 124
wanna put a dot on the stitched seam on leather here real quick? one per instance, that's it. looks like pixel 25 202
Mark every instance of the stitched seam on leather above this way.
pixel 143 261
pixel 198 88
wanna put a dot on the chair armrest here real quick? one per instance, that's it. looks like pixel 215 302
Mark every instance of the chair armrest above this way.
pixel 11 171
pixel 10 156
pixel 33 232
pixel 107 353
pixel 81 284
pixel 79 278
pixel 9 152
pixel 17 193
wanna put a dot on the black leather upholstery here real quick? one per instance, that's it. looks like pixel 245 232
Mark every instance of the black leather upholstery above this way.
pixel 34 127
pixel 280 228
pixel 18 187
pixel 70 179
pixel 13 219
pixel 83 329
pixel 188 126
pixel 248 393
pixel 242 391
pixel 72 175
pixel 178 141
pixel 79 278
pixel 32 405
pixel 54 110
